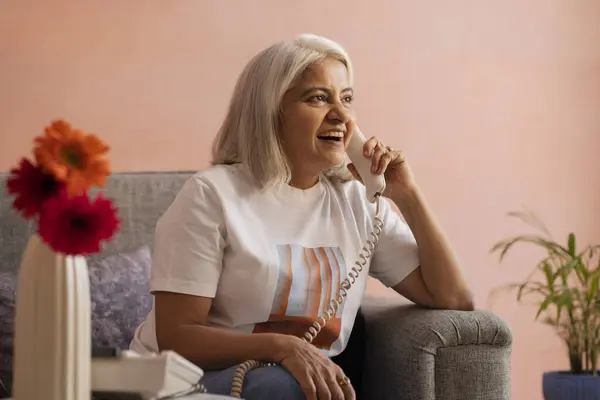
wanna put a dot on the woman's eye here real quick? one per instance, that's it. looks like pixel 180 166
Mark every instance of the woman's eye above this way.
pixel 318 97
pixel 348 99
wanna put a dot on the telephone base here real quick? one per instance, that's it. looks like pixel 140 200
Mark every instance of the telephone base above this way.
pixel 130 376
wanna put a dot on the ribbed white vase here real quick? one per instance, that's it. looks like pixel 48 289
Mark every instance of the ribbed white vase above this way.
pixel 52 344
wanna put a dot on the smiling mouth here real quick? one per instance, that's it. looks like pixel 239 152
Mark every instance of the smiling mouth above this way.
pixel 332 136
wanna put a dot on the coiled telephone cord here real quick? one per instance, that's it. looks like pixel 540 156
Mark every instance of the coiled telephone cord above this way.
pixel 364 256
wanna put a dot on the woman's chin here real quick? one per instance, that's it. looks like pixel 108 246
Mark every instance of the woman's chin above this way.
pixel 335 160
pixel 326 160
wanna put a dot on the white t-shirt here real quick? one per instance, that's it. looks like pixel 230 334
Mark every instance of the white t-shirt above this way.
pixel 273 259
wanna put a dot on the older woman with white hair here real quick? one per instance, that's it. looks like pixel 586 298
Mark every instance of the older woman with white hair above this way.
pixel 257 248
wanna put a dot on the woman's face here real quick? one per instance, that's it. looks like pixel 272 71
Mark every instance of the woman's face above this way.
pixel 318 119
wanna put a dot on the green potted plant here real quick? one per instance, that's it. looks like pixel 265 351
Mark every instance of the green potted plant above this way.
pixel 565 282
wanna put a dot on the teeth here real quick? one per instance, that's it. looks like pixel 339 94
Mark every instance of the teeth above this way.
pixel 333 135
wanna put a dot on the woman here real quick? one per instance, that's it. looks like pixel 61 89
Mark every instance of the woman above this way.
pixel 254 248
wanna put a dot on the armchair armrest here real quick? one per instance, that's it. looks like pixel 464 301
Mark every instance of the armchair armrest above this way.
pixel 416 353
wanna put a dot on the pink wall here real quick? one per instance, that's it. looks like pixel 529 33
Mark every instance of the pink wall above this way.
pixel 497 104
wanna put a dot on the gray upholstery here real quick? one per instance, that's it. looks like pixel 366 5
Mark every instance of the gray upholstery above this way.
pixel 435 354
pixel 412 353
pixel 141 198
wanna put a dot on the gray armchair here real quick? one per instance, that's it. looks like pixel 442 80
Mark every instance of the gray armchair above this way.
pixel 411 353
pixel 414 353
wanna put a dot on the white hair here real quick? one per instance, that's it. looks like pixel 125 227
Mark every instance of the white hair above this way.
pixel 250 132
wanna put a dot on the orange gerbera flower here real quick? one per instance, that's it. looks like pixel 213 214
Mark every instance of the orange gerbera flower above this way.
pixel 73 157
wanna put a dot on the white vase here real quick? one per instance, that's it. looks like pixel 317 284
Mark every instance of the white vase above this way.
pixel 52 345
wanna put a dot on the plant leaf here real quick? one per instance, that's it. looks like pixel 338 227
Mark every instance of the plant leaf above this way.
pixel 564 269
pixel 549 275
pixel 571 241
pixel 593 289
pixel 549 246
pixel 544 306
pixel 531 219
pixel 527 288
pixel 565 299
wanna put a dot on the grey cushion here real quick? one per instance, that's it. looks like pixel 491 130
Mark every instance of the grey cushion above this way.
pixel 8 285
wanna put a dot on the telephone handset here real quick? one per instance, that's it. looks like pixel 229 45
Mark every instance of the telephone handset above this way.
pixel 375 185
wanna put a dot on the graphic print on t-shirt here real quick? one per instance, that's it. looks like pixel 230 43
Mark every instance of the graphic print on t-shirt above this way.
pixel 309 278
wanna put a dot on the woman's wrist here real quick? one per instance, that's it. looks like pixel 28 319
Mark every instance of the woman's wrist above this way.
pixel 274 347
pixel 405 198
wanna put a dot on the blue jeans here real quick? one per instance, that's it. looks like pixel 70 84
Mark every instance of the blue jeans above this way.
pixel 275 383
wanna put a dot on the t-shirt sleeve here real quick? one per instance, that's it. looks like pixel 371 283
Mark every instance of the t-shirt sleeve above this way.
pixel 396 253
pixel 189 242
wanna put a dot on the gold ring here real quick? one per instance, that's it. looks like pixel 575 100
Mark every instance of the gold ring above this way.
pixel 344 381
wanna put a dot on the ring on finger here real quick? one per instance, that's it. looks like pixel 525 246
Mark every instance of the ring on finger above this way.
pixel 344 381
pixel 389 149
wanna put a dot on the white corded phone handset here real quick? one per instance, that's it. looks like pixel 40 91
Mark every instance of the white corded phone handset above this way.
pixel 375 186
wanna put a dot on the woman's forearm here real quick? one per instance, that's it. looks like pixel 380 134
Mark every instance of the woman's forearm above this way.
pixel 214 348
pixel 440 269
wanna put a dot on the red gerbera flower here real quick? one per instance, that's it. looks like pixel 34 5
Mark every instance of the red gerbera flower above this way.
pixel 32 187
pixel 75 225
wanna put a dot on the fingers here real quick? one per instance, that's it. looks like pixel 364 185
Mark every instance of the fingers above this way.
pixel 398 157
pixel 344 384
pixel 349 393
pixel 307 385
pixel 383 162
pixel 318 376
pixel 378 153
pixel 370 146
pixel 311 382
pixel 381 156
pixel 334 386
pixel 323 388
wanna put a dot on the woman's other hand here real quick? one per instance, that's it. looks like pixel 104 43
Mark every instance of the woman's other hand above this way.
pixel 389 162
pixel 319 377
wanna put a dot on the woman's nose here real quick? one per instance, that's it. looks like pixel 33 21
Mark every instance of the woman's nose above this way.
pixel 339 113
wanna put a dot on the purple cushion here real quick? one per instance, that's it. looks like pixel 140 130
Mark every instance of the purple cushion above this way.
pixel 119 288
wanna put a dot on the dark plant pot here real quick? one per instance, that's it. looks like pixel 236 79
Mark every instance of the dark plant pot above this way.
pixel 562 385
